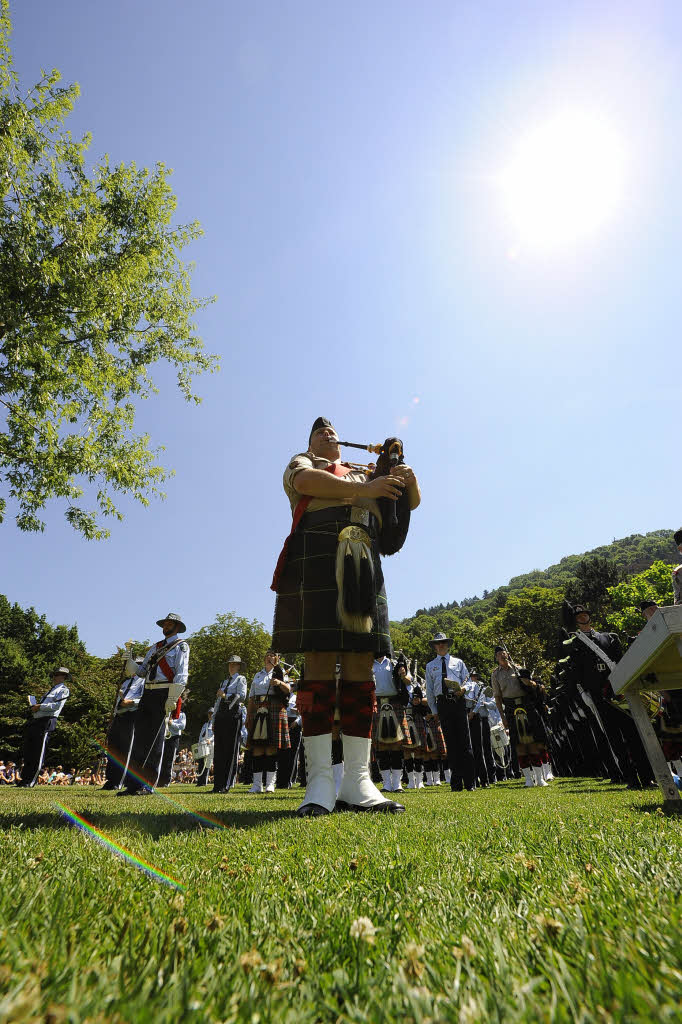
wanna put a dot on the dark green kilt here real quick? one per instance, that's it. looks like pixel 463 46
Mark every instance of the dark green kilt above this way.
pixel 305 609
pixel 536 727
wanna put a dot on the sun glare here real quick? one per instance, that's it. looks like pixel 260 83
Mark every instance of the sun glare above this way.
pixel 564 180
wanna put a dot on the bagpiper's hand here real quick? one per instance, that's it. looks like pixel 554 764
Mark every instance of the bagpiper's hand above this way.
pixel 405 473
pixel 383 487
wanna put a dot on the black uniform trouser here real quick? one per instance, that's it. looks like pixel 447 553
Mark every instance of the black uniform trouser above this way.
pixel 119 741
pixel 287 759
pixel 488 751
pixel 203 765
pixel 455 725
pixel 227 729
pixel 170 752
pixel 476 732
pixel 145 757
pixel 36 739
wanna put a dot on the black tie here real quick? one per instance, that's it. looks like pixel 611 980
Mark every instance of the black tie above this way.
pixel 444 674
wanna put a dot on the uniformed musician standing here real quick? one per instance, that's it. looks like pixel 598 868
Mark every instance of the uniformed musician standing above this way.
pixel 336 521
pixel 391 729
pixel 446 677
pixel 205 748
pixel 164 668
pixel 176 727
pixel 227 726
pixel 520 717
pixel 122 730
pixel 41 726
pixel 267 723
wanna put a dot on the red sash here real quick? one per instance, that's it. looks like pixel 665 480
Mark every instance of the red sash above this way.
pixel 163 664
pixel 178 708
pixel 338 469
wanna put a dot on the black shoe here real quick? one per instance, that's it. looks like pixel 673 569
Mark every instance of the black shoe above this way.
pixel 387 807
pixel 107 785
pixel 312 811
pixel 220 791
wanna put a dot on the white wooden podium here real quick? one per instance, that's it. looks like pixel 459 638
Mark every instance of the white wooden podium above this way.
pixel 657 650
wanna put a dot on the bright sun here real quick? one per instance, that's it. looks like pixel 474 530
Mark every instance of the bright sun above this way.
pixel 564 180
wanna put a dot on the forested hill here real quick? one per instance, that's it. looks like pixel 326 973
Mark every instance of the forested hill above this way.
pixel 627 556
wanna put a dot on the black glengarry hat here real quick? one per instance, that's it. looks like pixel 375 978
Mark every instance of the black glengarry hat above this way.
pixel 320 422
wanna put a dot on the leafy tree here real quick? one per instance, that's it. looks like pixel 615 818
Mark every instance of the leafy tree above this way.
pixel 210 648
pixel 535 612
pixel 92 295
pixel 593 579
pixel 654 584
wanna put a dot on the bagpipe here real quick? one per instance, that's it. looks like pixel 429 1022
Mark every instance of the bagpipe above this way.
pixel 395 513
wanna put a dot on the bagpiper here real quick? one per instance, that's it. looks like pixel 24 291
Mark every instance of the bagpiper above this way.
pixel 331 605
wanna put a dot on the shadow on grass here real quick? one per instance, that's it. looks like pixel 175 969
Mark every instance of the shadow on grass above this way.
pixel 672 810
pixel 154 825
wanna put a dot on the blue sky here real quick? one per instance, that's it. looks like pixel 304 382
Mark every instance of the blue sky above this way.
pixel 344 160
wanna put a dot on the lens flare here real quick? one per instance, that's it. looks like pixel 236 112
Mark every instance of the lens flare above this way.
pixel 119 851
pixel 205 819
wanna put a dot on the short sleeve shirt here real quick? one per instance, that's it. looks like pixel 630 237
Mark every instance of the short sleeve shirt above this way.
pixel 306 460
pixel 506 684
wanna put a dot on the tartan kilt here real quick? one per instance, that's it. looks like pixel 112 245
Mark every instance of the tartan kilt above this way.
pixel 278 727
pixel 305 609
pixel 535 724
pixel 434 727
pixel 399 712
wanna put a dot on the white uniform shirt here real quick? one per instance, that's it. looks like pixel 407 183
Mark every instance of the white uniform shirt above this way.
pixel 383 675
pixel 261 683
pixel 177 658
pixel 132 690
pixel 456 670
pixel 176 725
pixel 52 703
pixel 234 689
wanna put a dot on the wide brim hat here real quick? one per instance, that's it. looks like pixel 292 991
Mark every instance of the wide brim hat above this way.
pixel 441 638
pixel 234 658
pixel 174 617
pixel 647 604
pixel 61 671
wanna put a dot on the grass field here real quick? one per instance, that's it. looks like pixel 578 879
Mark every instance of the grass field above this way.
pixel 559 904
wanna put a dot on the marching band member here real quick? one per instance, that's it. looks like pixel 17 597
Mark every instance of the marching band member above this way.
pixel 331 603
pixel 227 726
pixel 519 717
pixel 477 714
pixel 589 659
pixel 205 747
pixel 390 729
pixel 164 668
pixel 41 726
pixel 445 692
pixel 176 727
pixel 266 722
pixel 122 730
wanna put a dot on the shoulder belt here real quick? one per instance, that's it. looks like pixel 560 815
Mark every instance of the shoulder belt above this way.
pixel 336 469
pixel 160 662
pixel 596 649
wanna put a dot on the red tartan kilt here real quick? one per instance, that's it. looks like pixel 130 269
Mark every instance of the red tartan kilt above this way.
pixel 434 726
pixel 399 711
pixel 278 727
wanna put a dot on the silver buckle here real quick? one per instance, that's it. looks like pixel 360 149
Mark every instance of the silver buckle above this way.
pixel 359 516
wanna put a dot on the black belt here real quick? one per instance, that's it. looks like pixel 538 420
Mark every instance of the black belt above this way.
pixel 339 514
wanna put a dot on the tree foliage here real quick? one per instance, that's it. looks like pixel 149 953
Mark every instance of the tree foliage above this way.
pixel 93 294
pixel 210 648
pixel 654 584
